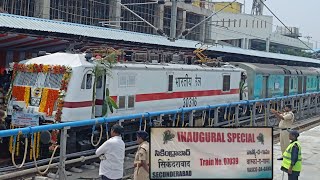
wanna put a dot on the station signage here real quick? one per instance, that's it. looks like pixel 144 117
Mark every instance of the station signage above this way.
pixel 25 119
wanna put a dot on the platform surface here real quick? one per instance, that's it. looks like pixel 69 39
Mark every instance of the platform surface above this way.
pixel 310 142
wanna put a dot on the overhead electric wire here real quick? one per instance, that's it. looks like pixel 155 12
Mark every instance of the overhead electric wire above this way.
pixel 284 24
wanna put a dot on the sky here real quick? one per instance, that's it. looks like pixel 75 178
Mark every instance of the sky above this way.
pixel 303 14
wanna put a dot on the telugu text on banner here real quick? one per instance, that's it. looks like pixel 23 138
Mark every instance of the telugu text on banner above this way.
pixel 244 153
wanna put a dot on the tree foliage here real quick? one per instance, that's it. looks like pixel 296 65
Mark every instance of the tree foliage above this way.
pixel 104 59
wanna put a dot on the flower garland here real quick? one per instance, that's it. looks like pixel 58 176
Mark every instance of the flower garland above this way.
pixel 18 92
pixel 21 93
pixel 43 99
pixel 53 96
pixel 62 94
pixel 27 96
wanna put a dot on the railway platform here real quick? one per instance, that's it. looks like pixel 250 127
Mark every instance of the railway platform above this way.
pixel 310 143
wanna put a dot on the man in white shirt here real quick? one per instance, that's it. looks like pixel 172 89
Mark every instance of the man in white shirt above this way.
pixel 112 153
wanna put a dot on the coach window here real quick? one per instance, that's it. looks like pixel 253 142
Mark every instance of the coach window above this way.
pixel 226 83
pixel 131 101
pixel 122 102
pixel 170 83
pixel 86 82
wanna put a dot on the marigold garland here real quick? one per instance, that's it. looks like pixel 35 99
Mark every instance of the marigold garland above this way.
pixel 43 100
pixel 56 69
pixel 51 99
pixel 18 92
pixel 27 95
pixel 38 145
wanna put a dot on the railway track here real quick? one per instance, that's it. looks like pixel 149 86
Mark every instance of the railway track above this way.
pixel 88 162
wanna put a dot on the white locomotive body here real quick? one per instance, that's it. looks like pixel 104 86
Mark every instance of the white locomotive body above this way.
pixel 135 87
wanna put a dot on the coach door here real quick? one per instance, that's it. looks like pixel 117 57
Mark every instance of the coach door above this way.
pixel 304 84
pixel 318 83
pixel 300 84
pixel 286 85
pixel 265 93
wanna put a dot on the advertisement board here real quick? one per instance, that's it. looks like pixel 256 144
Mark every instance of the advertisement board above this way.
pixel 211 153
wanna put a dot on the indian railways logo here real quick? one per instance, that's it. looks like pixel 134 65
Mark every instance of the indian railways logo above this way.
pixel 167 136
pixel 260 138
pixel 37 92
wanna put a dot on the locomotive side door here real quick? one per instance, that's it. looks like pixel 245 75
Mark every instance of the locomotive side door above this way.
pixel 286 85
pixel 100 94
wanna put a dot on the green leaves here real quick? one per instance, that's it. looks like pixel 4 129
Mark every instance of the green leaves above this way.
pixel 108 104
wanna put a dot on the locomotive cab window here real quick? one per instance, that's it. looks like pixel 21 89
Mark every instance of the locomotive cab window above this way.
pixel 226 83
pixel 87 81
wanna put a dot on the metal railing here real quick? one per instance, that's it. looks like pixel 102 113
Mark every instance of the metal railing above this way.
pixel 242 113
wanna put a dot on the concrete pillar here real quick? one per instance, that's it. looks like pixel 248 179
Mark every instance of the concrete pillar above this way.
pixel 268 44
pixel 42 9
pixel 244 43
pixel 248 44
pixel 115 13
pixel 181 23
pixel 158 20
pixel 208 31
pixel 202 30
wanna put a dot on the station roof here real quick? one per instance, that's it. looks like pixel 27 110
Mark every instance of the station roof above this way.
pixel 37 24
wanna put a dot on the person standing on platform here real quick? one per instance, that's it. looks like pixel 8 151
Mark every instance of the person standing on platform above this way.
pixel 286 121
pixel 112 153
pixel 141 161
pixel 292 159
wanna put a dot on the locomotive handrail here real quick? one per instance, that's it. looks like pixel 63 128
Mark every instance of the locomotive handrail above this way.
pixel 34 129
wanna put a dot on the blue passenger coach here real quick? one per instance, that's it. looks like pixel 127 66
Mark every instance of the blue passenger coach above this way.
pixel 269 80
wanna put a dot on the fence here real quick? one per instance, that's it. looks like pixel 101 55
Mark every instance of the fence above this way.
pixel 242 113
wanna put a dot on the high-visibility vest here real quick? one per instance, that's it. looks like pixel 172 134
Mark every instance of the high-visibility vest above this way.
pixel 286 162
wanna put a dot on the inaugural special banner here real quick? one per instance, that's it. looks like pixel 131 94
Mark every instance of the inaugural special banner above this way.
pixel 240 153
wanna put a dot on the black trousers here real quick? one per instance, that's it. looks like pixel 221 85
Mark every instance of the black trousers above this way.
pixel 106 178
pixel 292 177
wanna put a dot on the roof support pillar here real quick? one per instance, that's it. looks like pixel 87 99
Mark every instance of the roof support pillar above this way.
pixel 181 23
pixel 115 13
pixel 159 14
pixel 202 30
pixel 42 9
pixel 268 44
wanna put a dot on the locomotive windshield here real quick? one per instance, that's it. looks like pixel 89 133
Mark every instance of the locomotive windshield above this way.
pixel 41 80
